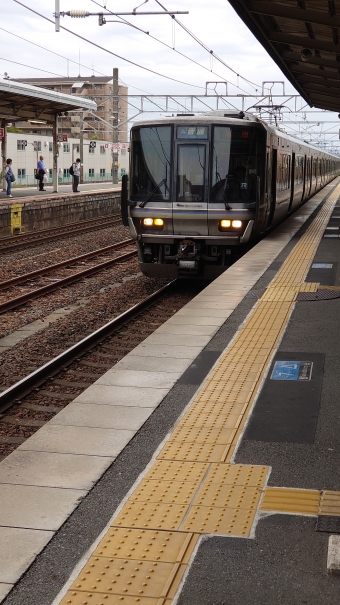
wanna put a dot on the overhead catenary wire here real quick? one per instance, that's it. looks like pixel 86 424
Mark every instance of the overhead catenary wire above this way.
pixel 71 60
pixel 210 70
pixel 211 52
pixel 107 50
pixel 31 67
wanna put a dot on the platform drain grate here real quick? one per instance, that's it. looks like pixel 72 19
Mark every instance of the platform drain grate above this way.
pixel 319 295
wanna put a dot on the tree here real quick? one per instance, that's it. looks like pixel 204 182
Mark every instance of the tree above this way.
pixel 14 129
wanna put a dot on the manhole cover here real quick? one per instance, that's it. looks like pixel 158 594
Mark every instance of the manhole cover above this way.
pixel 319 295
pixel 328 524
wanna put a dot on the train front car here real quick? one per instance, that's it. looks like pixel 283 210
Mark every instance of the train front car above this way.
pixel 195 192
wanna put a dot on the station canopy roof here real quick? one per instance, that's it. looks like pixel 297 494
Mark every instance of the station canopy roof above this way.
pixel 303 38
pixel 19 101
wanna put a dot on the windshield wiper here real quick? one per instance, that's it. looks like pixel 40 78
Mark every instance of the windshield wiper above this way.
pixel 163 182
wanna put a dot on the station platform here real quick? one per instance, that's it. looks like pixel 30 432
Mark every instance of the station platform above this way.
pixel 203 469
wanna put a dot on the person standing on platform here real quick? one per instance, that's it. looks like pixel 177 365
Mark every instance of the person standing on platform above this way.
pixel 76 175
pixel 41 171
pixel 9 176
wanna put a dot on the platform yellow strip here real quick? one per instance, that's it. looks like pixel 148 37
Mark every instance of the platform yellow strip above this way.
pixel 330 504
pixel 298 501
pixel 192 488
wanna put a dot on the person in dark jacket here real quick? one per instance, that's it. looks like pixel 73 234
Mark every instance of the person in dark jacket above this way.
pixel 8 176
pixel 41 171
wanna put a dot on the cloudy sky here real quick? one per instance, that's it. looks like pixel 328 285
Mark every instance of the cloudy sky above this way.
pixel 214 23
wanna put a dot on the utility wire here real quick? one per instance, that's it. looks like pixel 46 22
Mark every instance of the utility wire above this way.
pixel 106 50
pixel 31 67
pixel 126 22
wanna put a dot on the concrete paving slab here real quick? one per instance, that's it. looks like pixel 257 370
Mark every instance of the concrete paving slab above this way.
pixel 102 416
pixel 47 469
pixel 78 440
pixel 125 378
pixel 45 507
pixel 178 339
pixel 164 351
pixel 18 548
pixel 201 311
pixel 153 364
pixel 172 328
pixel 198 319
pixel 4 590
pixel 147 397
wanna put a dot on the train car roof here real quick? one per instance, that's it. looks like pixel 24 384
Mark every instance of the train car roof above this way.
pixel 220 117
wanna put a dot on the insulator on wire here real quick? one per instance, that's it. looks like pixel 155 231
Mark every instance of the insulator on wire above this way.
pixel 78 14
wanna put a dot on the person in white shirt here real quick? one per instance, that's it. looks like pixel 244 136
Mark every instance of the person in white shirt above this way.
pixel 76 175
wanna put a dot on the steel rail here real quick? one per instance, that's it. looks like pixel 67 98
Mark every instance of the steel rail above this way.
pixel 24 240
pixel 38 377
pixel 4 285
pixel 24 298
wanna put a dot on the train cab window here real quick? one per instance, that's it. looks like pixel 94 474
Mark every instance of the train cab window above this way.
pixel 150 169
pixel 237 161
pixel 190 173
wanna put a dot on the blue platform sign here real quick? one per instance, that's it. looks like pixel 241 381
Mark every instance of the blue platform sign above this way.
pixel 292 370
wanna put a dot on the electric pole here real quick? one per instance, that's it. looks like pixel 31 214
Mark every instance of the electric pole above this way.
pixel 115 127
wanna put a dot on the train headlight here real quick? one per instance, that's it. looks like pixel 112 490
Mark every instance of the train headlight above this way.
pixel 153 223
pixel 225 224
pixel 236 224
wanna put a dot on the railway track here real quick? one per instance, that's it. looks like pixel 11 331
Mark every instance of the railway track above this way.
pixel 24 240
pixel 36 398
pixel 75 263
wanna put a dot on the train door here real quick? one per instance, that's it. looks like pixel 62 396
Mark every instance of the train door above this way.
pixel 273 186
pixel 292 182
pixel 190 205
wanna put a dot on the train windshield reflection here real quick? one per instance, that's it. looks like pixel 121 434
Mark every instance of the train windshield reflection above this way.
pixel 237 162
pixel 151 153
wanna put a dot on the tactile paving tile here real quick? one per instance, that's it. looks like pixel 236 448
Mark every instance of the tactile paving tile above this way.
pixel 175 492
pixel 132 578
pixel 189 434
pixel 89 598
pixel 231 496
pixel 215 520
pixel 203 452
pixel 175 470
pixel 328 524
pixel 298 501
pixel 329 503
pixel 237 474
pixel 150 515
pixel 147 544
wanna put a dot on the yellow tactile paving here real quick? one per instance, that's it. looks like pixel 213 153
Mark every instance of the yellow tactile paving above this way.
pixel 168 492
pixel 174 470
pixel 330 503
pixel 149 545
pixel 207 494
pixel 300 501
pixel 151 515
pixel 90 598
pixel 231 496
pixel 217 520
pixel 137 578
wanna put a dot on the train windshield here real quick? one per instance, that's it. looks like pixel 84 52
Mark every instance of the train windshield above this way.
pixel 237 162
pixel 151 153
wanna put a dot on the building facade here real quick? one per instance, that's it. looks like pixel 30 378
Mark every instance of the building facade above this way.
pixel 86 124
pixel 25 150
